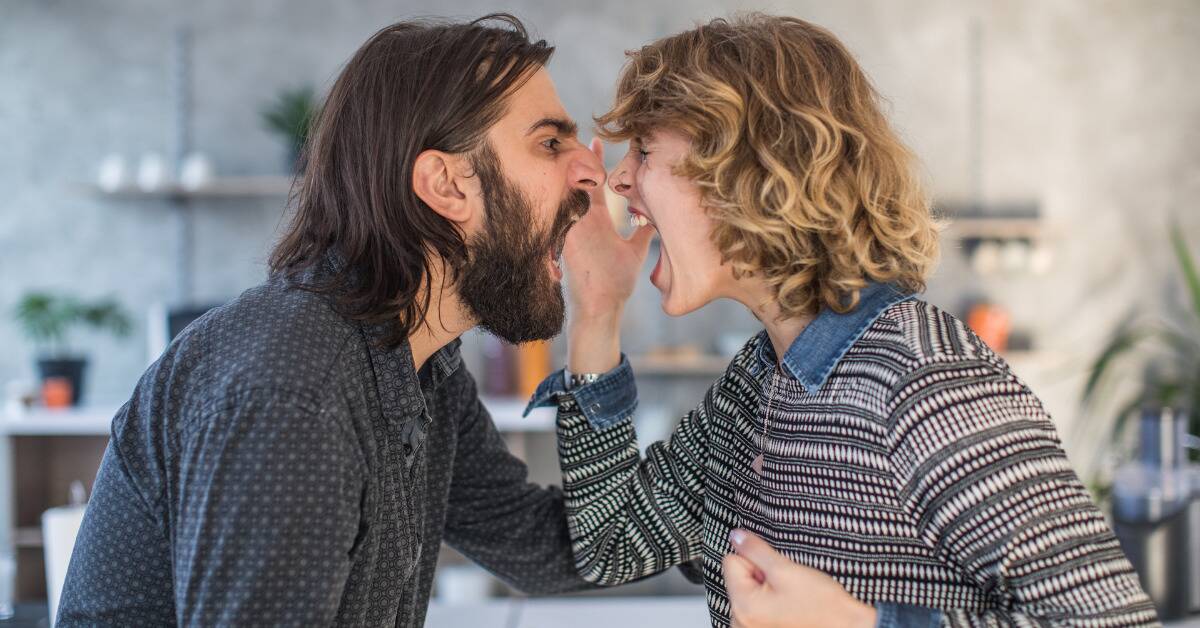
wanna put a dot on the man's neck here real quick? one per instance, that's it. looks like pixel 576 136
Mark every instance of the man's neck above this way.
pixel 444 321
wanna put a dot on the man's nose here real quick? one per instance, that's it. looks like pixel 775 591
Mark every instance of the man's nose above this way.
pixel 587 171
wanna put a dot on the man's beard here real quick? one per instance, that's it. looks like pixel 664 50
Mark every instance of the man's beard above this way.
pixel 504 282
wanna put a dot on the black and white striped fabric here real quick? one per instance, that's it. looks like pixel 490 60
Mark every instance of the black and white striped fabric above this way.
pixel 922 472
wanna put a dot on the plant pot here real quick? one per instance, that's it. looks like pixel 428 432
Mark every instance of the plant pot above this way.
pixel 70 369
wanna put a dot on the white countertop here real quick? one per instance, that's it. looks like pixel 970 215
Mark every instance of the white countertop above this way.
pixel 618 612
pixel 97 420
pixel 591 612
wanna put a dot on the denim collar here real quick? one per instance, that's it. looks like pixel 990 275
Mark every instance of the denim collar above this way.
pixel 825 341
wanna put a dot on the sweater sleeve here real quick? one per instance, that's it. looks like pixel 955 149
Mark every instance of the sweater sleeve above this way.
pixel 982 471
pixel 630 516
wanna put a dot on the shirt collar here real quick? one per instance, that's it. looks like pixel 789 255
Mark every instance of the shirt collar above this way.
pixel 398 361
pixel 446 361
pixel 441 365
pixel 824 342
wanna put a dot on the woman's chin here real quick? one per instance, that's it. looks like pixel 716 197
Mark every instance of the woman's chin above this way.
pixel 673 303
pixel 676 307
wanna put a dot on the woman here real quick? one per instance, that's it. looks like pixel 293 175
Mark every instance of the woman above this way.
pixel 871 439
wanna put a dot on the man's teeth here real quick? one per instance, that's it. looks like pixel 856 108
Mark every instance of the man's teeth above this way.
pixel 638 220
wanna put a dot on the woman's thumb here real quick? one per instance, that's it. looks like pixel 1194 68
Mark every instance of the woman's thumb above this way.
pixel 742 578
pixel 757 551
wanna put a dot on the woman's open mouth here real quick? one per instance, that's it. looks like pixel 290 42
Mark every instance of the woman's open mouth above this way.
pixel 637 218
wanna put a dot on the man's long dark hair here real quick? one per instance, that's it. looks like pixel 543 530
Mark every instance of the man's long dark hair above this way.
pixel 415 85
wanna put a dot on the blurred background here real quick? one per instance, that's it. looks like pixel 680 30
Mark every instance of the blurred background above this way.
pixel 147 148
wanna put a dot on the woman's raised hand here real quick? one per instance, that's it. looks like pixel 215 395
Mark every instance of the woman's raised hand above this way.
pixel 602 269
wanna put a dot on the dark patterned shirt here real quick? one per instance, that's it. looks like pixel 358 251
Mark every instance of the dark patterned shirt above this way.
pixel 901 456
pixel 275 467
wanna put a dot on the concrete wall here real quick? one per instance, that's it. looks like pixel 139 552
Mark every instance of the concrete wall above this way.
pixel 1089 108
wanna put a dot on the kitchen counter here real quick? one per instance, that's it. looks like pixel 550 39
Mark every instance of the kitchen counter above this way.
pixel 625 612
pixel 588 612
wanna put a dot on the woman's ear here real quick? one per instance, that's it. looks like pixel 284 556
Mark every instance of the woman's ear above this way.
pixel 436 181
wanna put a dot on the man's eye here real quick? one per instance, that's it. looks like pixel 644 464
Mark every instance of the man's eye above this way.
pixel 552 144
pixel 642 154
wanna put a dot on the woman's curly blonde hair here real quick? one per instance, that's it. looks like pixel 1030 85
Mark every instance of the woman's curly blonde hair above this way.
pixel 806 181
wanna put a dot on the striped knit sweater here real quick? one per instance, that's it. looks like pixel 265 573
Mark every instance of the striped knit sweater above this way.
pixel 921 471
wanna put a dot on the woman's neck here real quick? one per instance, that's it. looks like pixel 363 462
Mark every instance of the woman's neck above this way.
pixel 763 304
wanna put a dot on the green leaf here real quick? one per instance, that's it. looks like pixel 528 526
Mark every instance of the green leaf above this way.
pixel 46 318
pixel 1124 341
pixel 43 317
pixel 292 113
pixel 1123 415
pixel 1187 264
pixel 107 315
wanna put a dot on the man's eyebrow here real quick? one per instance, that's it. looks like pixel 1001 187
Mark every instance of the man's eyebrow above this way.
pixel 563 126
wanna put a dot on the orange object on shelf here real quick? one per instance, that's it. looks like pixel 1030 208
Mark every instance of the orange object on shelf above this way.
pixel 992 324
pixel 57 392
pixel 533 365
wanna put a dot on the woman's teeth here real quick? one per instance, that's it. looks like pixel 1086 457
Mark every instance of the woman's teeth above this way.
pixel 638 220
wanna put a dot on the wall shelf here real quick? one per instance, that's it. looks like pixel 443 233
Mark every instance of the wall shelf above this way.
pixel 992 221
pixel 998 228
pixel 690 365
pixel 216 189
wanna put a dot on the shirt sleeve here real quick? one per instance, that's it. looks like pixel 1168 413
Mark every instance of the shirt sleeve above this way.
pixel 981 470
pixel 605 402
pixel 271 487
pixel 498 518
pixel 629 517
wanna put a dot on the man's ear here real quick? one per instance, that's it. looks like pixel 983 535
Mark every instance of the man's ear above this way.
pixel 437 181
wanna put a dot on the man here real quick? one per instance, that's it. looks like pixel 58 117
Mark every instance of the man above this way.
pixel 297 456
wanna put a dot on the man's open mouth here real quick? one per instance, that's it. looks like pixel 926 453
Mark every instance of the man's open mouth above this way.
pixel 556 250
pixel 560 242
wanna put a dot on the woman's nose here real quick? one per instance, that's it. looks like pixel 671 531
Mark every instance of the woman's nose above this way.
pixel 619 181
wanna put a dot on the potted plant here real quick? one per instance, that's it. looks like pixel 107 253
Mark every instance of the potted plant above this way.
pixel 48 319
pixel 290 116
pixel 1166 349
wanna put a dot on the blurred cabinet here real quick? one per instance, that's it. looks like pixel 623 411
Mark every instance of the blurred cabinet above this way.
pixel 44 452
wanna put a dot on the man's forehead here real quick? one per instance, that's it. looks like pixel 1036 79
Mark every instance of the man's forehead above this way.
pixel 536 104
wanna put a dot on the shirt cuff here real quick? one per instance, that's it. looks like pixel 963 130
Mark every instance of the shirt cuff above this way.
pixel 890 615
pixel 604 402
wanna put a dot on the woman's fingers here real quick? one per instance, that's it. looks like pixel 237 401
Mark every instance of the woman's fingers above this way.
pixel 744 583
pixel 741 576
pixel 599 198
pixel 640 240
pixel 758 552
